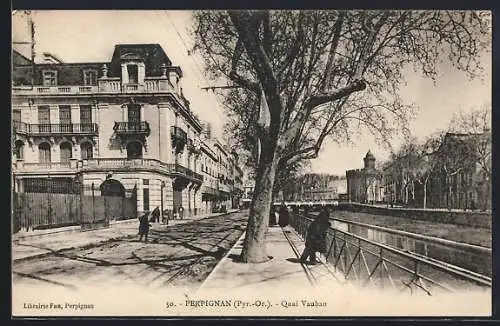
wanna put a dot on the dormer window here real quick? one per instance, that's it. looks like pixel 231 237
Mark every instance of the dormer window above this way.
pixel 89 77
pixel 133 74
pixel 49 77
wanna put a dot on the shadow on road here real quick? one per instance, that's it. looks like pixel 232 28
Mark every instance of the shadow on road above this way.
pixel 169 253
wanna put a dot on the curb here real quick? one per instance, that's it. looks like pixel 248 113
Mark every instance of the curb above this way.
pixel 66 229
pixel 218 265
pixel 95 244
pixel 75 228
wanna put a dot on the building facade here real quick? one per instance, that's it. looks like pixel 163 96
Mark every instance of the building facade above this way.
pixel 117 127
pixel 365 185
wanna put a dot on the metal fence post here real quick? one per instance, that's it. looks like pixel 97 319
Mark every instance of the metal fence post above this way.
pixel 49 204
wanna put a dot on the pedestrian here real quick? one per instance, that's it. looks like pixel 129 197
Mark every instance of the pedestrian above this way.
pixel 316 237
pixel 144 226
pixel 181 212
pixel 273 216
pixel 155 216
pixel 284 216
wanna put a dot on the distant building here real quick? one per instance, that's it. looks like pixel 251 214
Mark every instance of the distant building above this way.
pixel 365 185
pixel 318 186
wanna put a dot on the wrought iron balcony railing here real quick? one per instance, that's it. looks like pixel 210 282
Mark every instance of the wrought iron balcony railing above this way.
pixel 59 128
pixel 179 134
pixel 139 127
pixel 139 163
pixel 188 172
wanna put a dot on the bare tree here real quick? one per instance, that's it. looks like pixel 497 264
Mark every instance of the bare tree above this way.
pixel 477 124
pixel 312 66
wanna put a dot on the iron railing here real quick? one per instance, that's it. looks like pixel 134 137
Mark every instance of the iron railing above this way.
pixel 57 128
pixel 139 163
pixel 188 172
pixel 136 127
pixel 468 256
pixel 370 262
pixel 179 134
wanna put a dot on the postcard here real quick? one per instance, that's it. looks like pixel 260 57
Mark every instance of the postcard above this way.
pixel 174 163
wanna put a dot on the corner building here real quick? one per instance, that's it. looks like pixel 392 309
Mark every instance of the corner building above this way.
pixel 118 127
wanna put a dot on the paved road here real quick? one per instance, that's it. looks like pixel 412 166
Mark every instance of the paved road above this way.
pixel 176 255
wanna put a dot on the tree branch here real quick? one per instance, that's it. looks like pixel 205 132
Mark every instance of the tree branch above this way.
pixel 333 48
pixel 315 100
pixel 252 86
pixel 242 20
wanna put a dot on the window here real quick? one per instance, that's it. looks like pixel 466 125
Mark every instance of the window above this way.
pixel 65 118
pixel 145 182
pixel 44 153
pixel 44 118
pixel 66 152
pixel 133 74
pixel 134 117
pixel 89 77
pixel 19 150
pixel 86 150
pixel 134 113
pixel 85 114
pixel 134 150
pixel 86 117
pixel 16 115
pixel 49 78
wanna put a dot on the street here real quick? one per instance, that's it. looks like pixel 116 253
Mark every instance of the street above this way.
pixel 181 255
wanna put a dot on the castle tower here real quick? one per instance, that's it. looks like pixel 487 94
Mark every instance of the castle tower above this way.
pixel 369 160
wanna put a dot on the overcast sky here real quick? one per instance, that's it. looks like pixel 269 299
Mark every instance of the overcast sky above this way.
pixel 86 36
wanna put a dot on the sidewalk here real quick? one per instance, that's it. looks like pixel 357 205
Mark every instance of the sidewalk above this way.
pixel 26 246
pixel 284 270
pixel 284 287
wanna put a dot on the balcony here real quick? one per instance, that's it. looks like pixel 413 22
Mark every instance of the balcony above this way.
pixel 150 85
pixel 132 128
pixel 190 174
pixel 20 128
pixel 55 129
pixel 63 129
pixel 48 167
pixel 209 191
pixel 123 164
pixel 53 90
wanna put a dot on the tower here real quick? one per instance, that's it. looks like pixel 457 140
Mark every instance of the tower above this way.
pixel 369 160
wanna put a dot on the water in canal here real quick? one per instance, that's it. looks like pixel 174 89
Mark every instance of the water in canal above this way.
pixel 470 259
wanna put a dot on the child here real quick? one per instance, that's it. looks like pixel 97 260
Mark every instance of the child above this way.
pixel 144 226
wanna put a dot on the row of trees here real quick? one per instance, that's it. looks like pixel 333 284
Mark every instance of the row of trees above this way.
pixel 325 74
pixel 465 146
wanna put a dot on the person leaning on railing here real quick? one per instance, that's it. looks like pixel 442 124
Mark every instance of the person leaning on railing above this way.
pixel 316 237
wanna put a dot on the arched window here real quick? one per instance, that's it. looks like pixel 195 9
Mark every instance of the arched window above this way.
pixel 19 150
pixel 134 150
pixel 44 153
pixel 86 150
pixel 66 151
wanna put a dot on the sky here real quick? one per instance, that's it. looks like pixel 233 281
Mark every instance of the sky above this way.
pixel 86 36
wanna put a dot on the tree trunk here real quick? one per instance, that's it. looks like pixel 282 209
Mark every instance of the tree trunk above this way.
pixel 425 193
pixel 254 247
